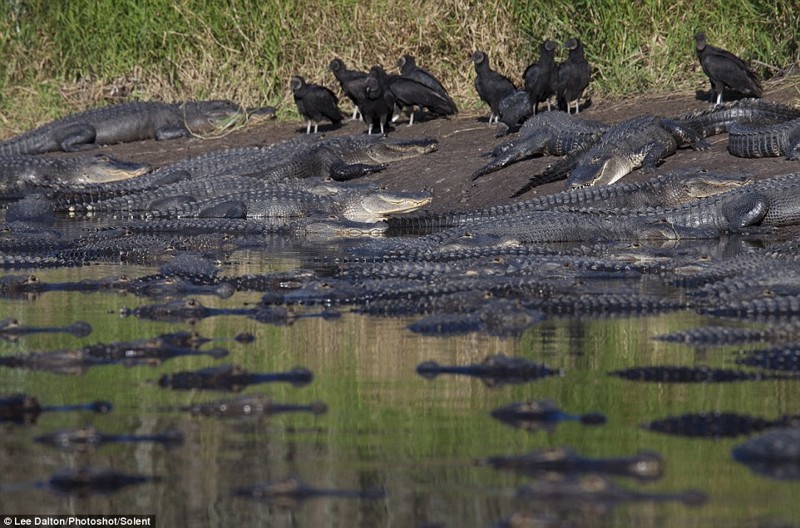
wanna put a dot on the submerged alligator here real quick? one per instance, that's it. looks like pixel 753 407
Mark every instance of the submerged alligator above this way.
pixel 24 409
pixel 495 371
pixel 544 414
pixel 645 465
pixel 86 481
pixel 122 123
pixel 717 424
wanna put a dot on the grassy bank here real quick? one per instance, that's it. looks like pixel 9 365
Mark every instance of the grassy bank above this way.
pixel 60 57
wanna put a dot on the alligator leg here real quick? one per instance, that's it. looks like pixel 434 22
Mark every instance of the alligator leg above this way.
pixel 173 132
pixel 746 210
pixel 341 171
pixel 73 138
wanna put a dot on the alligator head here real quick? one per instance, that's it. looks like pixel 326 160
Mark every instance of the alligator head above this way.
pixel 102 168
pixel 388 150
pixel 703 185
pixel 604 169
pixel 208 116
pixel 375 206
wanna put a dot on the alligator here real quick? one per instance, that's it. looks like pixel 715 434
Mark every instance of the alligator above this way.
pixel 535 415
pixel 548 133
pixel 782 139
pixel 89 438
pixel 717 119
pixel 23 409
pixel 12 330
pixel 642 141
pixel 676 374
pixel 230 378
pixel 670 189
pixel 365 204
pixel 341 158
pixel 645 465
pixel 775 454
pixel 21 173
pixel 290 492
pixel 125 122
pixel 594 493
pixel 495 370
pixel 717 424
pixel 251 405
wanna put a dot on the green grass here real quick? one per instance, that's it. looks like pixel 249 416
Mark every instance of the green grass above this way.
pixel 62 57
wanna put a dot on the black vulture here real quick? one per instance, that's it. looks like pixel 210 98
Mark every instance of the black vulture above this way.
pixel 376 102
pixel 725 70
pixel 492 87
pixel 409 93
pixel 315 103
pixel 408 68
pixel 540 76
pixel 573 76
pixel 352 81
pixel 514 109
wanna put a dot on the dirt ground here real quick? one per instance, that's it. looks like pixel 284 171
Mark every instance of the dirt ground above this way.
pixel 464 138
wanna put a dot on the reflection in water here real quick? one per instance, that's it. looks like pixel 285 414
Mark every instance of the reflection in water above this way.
pixel 386 427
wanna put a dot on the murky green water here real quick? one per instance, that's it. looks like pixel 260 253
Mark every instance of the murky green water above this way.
pixel 386 427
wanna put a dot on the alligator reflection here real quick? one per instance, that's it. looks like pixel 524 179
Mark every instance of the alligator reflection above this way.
pixel 543 414
pixel 149 351
pixel 24 409
pixel 11 329
pixel 645 465
pixel 231 378
pixel 291 492
pixel 494 371
pixel 88 438
pixel 255 405
pixel 718 424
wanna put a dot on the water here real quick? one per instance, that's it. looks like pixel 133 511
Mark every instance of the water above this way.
pixel 418 440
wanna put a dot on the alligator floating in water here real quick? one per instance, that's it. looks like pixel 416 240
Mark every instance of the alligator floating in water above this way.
pixel 86 438
pixel 231 378
pixel 290 492
pixel 11 329
pixel 124 122
pixel 495 317
pixel 680 374
pixel 24 409
pixel 717 424
pixel 21 173
pixel 785 358
pixel 595 493
pixel 726 335
pixel 774 454
pixel 645 465
pixel 251 405
pixel 534 415
pixel 495 370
